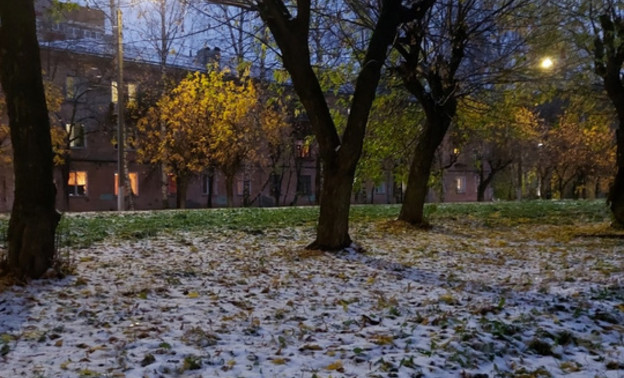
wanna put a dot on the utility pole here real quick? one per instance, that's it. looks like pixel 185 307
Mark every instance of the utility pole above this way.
pixel 120 117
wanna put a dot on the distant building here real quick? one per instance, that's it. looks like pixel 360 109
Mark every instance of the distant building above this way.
pixel 78 56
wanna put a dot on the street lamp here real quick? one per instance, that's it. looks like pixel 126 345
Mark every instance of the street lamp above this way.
pixel 547 63
pixel 116 20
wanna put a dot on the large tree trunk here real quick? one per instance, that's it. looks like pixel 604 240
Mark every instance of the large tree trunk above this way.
pixel 33 219
pixel 609 62
pixel 438 121
pixel 333 225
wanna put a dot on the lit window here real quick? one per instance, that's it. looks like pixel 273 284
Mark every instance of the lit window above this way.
pixel 132 92
pixel 114 94
pixel 77 183
pixel 460 184
pixel 134 183
pixel 76 135
pixel 302 149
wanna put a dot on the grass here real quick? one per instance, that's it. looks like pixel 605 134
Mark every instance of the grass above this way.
pixel 82 230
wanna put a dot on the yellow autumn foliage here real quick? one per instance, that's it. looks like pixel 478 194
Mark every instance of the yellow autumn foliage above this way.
pixel 208 120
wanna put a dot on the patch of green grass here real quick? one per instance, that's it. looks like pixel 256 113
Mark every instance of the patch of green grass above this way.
pixel 495 214
pixel 78 230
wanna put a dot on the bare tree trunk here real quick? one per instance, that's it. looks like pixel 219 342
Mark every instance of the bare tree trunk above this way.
pixel 438 122
pixel 65 169
pixel 608 63
pixel 616 194
pixel 34 219
pixel 333 228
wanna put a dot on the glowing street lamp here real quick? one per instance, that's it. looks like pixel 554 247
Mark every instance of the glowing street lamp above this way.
pixel 547 63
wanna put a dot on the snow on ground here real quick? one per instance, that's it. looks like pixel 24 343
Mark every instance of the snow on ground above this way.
pixel 453 301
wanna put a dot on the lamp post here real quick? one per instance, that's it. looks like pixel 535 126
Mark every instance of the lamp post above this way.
pixel 120 113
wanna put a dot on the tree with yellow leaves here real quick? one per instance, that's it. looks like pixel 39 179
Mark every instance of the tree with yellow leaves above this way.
pixel 211 121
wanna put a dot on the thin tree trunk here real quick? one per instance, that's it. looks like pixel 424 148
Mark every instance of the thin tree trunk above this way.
pixel 164 186
pixel 182 186
pixel 318 179
pixel 65 169
pixel 229 190
pixel 211 179
pixel 34 219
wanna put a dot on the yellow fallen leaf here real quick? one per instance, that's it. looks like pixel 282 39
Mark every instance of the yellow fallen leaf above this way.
pixel 279 361
pixel 193 294
pixel 383 339
pixel 335 366
pixel 310 347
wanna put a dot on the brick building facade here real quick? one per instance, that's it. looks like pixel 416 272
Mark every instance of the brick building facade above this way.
pixel 78 57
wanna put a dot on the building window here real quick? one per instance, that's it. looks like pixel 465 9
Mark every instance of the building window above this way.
pixel 132 92
pixel 304 185
pixel 133 177
pixel 114 94
pixel 460 184
pixel 75 88
pixel 77 183
pixel 76 135
pixel 302 149
pixel 381 188
pixel 205 182
pixel 243 187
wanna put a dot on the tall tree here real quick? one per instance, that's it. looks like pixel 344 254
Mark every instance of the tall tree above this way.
pixel 34 219
pixel 608 29
pixel 445 56
pixel 339 155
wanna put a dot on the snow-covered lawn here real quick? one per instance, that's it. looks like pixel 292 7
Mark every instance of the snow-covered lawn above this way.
pixel 458 300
